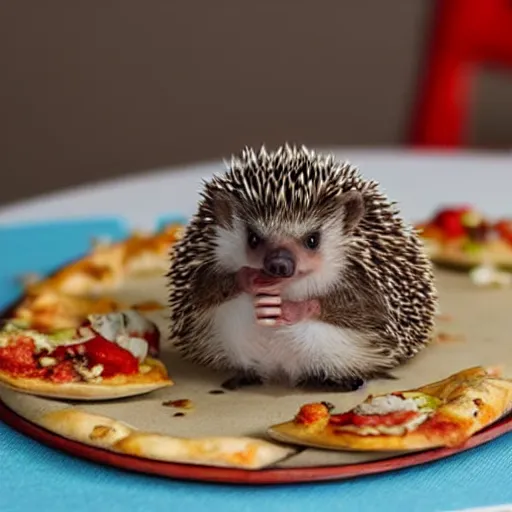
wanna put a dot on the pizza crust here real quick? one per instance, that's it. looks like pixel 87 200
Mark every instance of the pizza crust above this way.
pixel 289 432
pixel 79 288
pixel 52 310
pixel 115 387
pixel 107 433
pixel 462 392
pixel 107 265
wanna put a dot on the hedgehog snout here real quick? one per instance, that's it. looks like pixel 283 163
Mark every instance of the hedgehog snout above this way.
pixel 279 263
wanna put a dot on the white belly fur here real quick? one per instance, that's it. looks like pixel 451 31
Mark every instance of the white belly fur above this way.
pixel 288 351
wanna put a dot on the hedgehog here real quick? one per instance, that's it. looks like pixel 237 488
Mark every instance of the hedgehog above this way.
pixel 297 268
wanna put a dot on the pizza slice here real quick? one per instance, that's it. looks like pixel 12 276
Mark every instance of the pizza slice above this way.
pixel 462 237
pixel 109 356
pixel 65 299
pixel 444 413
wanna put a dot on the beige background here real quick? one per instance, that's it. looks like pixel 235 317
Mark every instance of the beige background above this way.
pixel 102 88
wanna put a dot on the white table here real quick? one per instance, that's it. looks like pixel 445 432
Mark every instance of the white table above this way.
pixel 417 180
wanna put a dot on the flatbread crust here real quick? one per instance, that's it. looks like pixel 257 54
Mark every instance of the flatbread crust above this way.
pixel 107 265
pixel 118 386
pixel 82 287
pixel 473 399
pixel 107 433
pixel 51 310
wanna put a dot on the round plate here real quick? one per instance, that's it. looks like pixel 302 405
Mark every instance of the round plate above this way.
pixel 240 476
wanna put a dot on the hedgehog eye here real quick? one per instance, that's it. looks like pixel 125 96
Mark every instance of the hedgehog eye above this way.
pixel 253 239
pixel 312 241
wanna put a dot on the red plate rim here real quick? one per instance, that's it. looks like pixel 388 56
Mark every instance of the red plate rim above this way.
pixel 241 476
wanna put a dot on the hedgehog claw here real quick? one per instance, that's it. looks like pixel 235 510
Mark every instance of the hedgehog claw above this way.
pixel 342 385
pixel 242 379
pixel 272 311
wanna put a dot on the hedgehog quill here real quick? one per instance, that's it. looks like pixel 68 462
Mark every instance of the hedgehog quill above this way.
pixel 297 267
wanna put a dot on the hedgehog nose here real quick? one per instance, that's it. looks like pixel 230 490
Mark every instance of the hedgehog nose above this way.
pixel 279 263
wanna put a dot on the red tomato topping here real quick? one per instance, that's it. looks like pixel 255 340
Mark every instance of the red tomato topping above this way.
pixel 373 420
pixel 440 425
pixel 311 413
pixel 388 420
pixel 504 230
pixel 115 359
pixel 62 372
pixel 450 221
pixel 152 337
pixel 344 418
pixel 18 358
pixel 98 350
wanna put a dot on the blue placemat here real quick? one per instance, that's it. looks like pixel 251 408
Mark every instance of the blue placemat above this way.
pixel 36 478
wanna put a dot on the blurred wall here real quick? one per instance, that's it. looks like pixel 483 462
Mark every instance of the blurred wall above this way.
pixel 102 88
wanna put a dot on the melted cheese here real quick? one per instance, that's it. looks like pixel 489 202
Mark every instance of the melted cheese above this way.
pixel 385 405
pixel 47 361
pixel 115 327
pixel 90 375
pixel 137 346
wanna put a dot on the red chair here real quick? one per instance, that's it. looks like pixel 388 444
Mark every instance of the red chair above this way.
pixel 467 35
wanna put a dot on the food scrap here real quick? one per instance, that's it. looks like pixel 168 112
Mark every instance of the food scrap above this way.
pixel 183 403
pixel 444 337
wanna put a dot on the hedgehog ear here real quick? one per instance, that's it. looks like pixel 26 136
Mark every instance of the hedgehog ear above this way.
pixel 352 205
pixel 222 208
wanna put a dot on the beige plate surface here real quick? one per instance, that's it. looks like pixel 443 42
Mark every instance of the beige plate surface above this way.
pixel 479 333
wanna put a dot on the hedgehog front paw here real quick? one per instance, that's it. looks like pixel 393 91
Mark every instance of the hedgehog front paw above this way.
pixel 272 311
pixel 339 385
pixel 241 379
